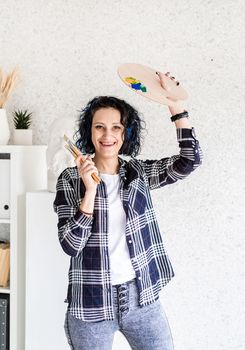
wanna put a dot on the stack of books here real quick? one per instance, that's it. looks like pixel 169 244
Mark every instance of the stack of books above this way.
pixel 4 263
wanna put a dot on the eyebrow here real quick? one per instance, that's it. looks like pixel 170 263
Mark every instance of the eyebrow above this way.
pixel 115 123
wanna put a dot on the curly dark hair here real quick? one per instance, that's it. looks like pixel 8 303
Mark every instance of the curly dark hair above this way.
pixel 129 118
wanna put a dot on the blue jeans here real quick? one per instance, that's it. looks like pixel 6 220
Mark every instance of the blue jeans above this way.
pixel 145 328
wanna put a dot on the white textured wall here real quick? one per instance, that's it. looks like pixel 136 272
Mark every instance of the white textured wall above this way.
pixel 68 52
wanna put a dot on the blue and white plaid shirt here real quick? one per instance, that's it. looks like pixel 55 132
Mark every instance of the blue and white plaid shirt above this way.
pixel 85 238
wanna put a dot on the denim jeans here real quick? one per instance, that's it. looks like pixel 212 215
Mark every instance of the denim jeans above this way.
pixel 145 328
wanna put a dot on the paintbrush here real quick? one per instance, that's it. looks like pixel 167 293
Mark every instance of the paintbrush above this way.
pixel 76 152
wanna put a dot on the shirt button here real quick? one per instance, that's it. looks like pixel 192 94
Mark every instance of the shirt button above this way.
pixel 139 278
pixel 129 241
pixel 196 151
pixel 193 133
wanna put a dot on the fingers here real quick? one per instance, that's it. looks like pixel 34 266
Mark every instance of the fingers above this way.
pixel 86 168
pixel 80 160
pixel 164 79
pixel 86 165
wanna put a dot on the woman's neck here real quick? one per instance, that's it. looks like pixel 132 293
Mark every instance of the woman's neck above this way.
pixel 107 166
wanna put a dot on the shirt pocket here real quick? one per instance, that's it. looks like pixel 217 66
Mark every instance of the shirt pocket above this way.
pixel 138 196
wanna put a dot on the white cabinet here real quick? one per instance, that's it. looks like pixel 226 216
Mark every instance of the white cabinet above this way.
pixel 22 169
pixel 46 276
pixel 5 186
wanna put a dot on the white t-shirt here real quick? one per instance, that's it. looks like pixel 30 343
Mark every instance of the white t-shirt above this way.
pixel 120 263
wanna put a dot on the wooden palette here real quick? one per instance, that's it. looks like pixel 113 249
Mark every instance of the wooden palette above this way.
pixel 145 81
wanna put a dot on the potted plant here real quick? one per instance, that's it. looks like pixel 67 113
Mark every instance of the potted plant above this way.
pixel 22 134
pixel 7 83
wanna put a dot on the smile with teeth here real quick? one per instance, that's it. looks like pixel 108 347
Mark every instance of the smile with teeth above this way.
pixel 107 144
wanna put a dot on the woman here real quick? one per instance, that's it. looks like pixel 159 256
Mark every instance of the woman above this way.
pixel 118 262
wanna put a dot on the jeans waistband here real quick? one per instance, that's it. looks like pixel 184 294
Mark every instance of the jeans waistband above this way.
pixel 127 282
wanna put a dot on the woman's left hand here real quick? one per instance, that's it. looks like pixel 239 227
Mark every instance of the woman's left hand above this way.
pixel 176 105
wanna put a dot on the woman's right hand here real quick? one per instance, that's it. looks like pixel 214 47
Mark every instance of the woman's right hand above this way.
pixel 85 170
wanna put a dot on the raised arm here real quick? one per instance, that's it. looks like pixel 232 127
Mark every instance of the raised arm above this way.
pixel 170 169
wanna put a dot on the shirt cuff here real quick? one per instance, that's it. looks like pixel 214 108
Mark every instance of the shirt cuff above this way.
pixel 184 134
pixel 82 219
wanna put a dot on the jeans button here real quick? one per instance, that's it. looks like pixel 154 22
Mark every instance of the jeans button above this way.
pixel 122 295
pixel 121 288
pixel 124 308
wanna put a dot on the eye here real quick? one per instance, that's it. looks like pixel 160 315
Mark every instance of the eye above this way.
pixel 117 127
pixel 98 126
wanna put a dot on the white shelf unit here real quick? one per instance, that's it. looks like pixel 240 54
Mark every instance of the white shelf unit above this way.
pixel 22 169
pixel 46 275
pixel 4 221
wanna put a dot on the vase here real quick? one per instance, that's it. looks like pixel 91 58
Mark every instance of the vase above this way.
pixel 22 137
pixel 4 127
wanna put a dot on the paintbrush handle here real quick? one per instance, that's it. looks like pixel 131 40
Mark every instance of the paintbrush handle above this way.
pixel 96 178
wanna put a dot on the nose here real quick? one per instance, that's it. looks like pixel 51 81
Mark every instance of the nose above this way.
pixel 106 132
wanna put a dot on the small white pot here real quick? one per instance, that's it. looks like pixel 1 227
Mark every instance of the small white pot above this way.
pixel 4 127
pixel 22 137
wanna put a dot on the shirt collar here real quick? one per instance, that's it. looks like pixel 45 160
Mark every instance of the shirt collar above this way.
pixel 122 168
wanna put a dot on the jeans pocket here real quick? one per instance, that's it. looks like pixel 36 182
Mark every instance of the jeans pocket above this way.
pixel 67 331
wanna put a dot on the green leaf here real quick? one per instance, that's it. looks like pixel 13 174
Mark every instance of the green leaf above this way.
pixel 22 119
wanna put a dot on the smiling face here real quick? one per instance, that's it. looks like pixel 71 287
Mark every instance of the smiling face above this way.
pixel 107 133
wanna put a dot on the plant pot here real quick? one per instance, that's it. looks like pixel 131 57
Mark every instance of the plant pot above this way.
pixel 22 137
pixel 4 127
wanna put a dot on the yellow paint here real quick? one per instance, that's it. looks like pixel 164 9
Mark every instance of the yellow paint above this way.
pixel 131 80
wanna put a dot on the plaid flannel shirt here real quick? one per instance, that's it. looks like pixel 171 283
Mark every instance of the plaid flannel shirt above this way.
pixel 85 238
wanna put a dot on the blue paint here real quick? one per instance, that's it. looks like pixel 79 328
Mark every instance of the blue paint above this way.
pixel 136 86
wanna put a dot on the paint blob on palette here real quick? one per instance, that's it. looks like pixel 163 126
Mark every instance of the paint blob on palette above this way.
pixel 135 84
pixel 144 81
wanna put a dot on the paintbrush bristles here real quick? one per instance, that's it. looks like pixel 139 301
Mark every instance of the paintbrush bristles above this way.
pixel 67 147
pixel 75 149
pixel 72 146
